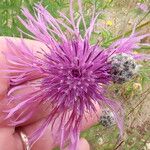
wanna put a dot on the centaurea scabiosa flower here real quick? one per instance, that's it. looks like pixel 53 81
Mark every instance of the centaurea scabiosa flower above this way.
pixel 71 72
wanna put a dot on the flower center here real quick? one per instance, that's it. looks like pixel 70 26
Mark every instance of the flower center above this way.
pixel 76 73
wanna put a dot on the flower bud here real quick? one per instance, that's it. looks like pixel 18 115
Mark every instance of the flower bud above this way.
pixel 123 67
pixel 107 118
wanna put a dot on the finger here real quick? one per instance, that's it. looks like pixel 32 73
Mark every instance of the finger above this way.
pixel 82 145
pixel 48 140
pixel 4 82
pixel 9 140
pixel 33 45
pixel 41 111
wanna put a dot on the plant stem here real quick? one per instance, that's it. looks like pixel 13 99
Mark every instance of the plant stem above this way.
pixel 128 32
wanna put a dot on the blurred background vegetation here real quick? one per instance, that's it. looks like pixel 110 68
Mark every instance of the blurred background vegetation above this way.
pixel 117 21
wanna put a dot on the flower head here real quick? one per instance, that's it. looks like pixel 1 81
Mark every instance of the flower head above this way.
pixel 107 118
pixel 109 23
pixel 123 67
pixel 71 72
pixel 142 7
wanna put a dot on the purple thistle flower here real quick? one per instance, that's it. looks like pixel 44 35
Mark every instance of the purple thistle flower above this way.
pixel 71 74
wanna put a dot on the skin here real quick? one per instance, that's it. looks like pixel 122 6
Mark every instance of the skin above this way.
pixel 9 136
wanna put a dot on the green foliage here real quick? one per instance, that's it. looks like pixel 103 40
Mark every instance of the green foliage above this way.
pixel 106 37
pixel 145 73
pixel 10 9
pixel 99 137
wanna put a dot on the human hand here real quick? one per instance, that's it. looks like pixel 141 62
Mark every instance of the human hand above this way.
pixel 9 135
